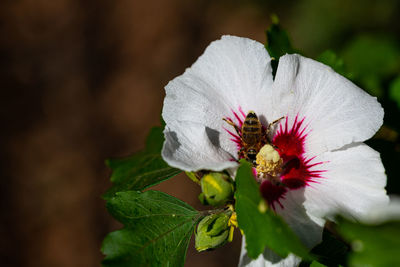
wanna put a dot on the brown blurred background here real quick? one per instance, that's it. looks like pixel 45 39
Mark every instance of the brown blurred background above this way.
pixel 82 81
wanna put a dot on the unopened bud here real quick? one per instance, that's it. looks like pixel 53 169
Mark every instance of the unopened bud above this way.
pixel 217 189
pixel 212 231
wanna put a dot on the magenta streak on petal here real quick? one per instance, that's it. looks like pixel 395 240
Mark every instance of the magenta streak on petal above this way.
pixel 272 193
pixel 241 112
pixel 254 171
pixel 239 120
pixel 232 134
pixel 236 139
pixel 297 173
pixel 289 140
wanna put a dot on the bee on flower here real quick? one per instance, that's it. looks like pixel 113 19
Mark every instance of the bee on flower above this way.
pixel 308 126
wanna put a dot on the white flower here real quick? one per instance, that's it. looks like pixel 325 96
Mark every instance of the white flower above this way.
pixel 327 168
pixel 390 212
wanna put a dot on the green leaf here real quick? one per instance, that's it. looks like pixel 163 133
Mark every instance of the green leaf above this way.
pixel 372 245
pixel 157 230
pixel 331 59
pixel 278 42
pixel 331 251
pixel 394 91
pixel 370 60
pixel 141 170
pixel 155 140
pixel 317 264
pixel 261 226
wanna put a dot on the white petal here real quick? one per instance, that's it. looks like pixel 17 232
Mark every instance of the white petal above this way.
pixel 233 72
pixel 267 259
pixel 308 229
pixel 336 111
pixel 353 184
pixel 387 213
pixel 182 153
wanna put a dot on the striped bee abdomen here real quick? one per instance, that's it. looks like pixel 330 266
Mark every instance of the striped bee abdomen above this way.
pixel 251 129
pixel 251 154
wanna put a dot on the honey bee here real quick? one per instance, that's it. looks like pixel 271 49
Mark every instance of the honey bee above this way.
pixel 252 135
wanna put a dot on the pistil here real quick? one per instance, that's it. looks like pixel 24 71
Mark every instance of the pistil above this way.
pixel 269 164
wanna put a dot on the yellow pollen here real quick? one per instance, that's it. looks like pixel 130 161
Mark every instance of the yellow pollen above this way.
pixel 232 223
pixel 269 163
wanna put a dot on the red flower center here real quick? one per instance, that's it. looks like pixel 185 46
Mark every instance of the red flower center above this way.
pixel 298 170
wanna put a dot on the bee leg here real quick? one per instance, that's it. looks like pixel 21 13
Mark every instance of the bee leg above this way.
pixel 264 138
pixel 241 153
pixel 272 124
pixel 233 125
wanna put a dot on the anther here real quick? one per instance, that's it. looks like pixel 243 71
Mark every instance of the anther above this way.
pixel 269 163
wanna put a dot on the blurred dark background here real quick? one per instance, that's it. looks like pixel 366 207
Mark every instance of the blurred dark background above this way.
pixel 82 81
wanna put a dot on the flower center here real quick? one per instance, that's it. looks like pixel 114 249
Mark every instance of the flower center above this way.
pixel 269 164
pixel 281 164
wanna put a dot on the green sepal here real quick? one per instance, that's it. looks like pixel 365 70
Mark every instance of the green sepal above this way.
pixel 202 199
pixel 212 231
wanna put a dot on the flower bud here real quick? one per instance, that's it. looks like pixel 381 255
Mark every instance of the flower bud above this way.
pixel 212 231
pixel 217 189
